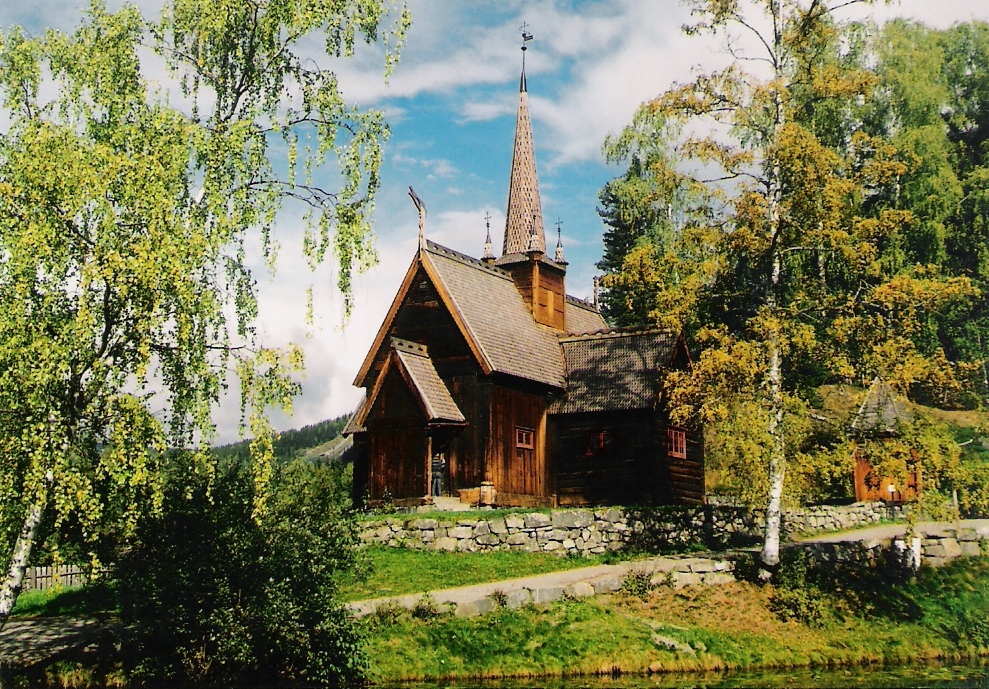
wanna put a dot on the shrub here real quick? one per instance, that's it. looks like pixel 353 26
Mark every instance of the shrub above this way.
pixel 211 593
pixel 425 608
pixel 637 584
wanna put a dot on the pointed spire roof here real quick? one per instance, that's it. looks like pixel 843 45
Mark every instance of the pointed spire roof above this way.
pixel 525 213
pixel 488 253
pixel 558 257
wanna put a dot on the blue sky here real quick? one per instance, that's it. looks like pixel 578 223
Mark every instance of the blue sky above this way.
pixel 451 105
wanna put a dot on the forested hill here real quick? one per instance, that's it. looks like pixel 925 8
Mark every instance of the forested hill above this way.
pixel 310 440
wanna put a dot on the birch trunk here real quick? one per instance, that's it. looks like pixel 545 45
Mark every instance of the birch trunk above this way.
pixel 777 455
pixel 22 552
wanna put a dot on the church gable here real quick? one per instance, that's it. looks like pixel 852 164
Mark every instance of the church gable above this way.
pixel 420 314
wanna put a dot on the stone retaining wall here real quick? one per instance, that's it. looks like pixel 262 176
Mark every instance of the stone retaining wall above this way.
pixel 933 548
pixel 585 531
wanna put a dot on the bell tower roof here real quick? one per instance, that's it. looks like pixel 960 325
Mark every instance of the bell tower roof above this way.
pixel 524 217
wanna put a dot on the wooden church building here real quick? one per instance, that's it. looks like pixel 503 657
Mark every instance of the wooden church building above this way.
pixel 487 381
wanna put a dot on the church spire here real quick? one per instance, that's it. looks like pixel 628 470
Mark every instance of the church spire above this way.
pixel 525 213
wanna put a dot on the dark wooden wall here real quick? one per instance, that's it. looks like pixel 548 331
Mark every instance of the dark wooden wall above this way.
pixel 634 467
pixel 625 471
pixel 423 318
pixel 396 437
pixel 683 479
pixel 464 447
pixel 516 472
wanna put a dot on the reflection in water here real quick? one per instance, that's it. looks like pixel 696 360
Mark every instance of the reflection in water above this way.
pixel 933 676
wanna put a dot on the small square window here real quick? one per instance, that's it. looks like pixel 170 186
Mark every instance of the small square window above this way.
pixel 676 442
pixel 597 442
pixel 524 438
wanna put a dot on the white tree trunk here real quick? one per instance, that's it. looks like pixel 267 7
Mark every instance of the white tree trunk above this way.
pixel 777 466
pixel 22 552
pixel 777 453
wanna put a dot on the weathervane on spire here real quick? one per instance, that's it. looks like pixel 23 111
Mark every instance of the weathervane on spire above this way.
pixel 526 36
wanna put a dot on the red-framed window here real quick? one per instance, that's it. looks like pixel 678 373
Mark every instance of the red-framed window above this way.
pixel 525 438
pixel 596 442
pixel 676 442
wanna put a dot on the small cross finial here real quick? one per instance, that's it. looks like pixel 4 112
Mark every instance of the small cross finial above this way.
pixel 488 253
pixel 558 258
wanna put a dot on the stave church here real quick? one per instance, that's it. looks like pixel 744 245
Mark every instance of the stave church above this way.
pixel 488 382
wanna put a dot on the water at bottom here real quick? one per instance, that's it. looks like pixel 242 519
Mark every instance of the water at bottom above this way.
pixel 917 676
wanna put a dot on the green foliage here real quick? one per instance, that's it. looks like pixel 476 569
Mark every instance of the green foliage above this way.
pixel 211 593
pixel 868 620
pixel 126 301
pixel 425 608
pixel 831 230
pixel 637 584
pixel 83 601
pixel 287 445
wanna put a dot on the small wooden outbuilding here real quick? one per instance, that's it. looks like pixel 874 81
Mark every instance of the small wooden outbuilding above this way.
pixel 881 416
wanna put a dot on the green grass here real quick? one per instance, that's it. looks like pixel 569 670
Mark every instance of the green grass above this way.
pixel 79 601
pixel 398 571
pixel 939 614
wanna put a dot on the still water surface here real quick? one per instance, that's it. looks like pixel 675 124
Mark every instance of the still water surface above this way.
pixel 972 676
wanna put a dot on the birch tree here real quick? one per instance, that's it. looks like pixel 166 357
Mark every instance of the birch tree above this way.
pixel 126 296
pixel 789 265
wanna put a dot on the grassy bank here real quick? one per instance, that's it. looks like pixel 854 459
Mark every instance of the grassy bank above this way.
pixel 398 571
pixel 938 614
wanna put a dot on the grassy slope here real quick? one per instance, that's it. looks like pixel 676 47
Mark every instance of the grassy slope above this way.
pixel 729 627
pixel 397 571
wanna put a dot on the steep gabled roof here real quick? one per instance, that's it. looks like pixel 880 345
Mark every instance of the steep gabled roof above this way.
pixel 583 318
pixel 489 312
pixel 614 370
pixel 882 411
pixel 496 317
pixel 412 362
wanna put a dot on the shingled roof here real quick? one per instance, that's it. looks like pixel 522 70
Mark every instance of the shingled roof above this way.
pixel 435 396
pixel 882 411
pixel 614 370
pixel 353 423
pixel 496 317
pixel 582 317
pixel 416 368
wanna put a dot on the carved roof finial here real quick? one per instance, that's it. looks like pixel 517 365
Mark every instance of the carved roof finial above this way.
pixel 421 207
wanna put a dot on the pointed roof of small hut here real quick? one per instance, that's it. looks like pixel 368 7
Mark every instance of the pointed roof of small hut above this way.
pixel 882 411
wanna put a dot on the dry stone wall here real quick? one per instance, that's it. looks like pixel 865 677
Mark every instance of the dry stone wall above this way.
pixel 588 532
pixel 932 547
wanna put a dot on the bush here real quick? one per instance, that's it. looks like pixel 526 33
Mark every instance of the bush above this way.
pixel 637 584
pixel 212 594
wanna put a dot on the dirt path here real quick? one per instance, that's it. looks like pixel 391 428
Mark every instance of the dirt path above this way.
pixel 25 641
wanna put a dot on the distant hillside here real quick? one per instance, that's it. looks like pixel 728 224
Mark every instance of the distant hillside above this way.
pixel 318 440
